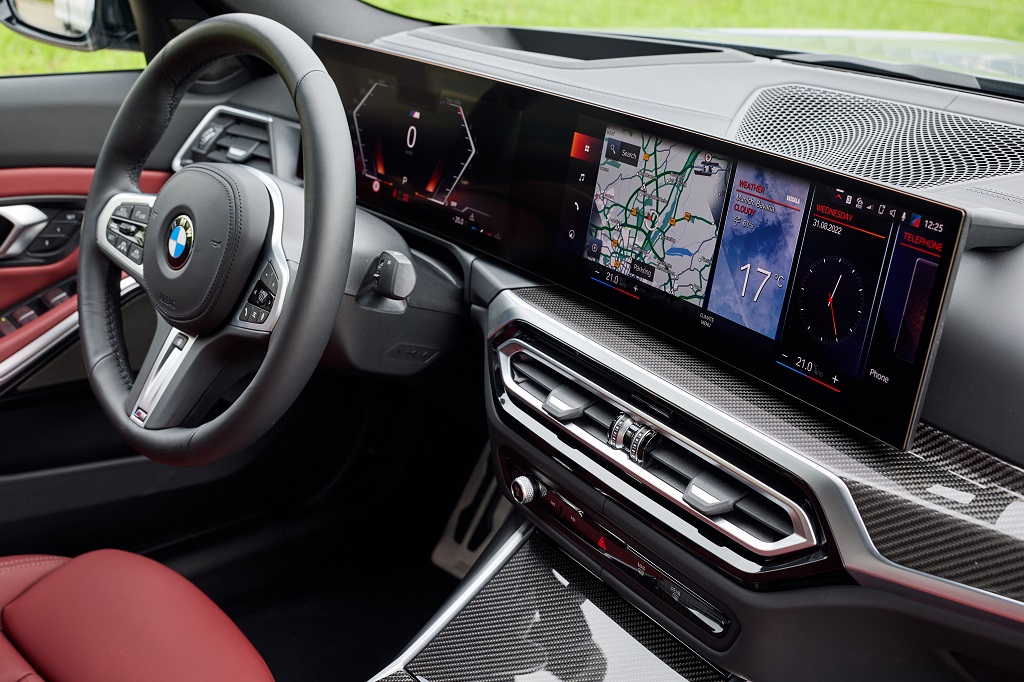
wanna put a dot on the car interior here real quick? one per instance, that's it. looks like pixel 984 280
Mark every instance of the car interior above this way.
pixel 340 345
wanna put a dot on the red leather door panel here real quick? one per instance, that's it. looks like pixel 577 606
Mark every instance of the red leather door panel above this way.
pixel 23 282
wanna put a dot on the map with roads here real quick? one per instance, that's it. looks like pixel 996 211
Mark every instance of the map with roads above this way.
pixel 656 211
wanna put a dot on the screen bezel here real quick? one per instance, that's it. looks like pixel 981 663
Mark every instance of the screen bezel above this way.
pixel 538 189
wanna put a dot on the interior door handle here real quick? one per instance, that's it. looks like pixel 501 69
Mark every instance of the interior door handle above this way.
pixel 19 226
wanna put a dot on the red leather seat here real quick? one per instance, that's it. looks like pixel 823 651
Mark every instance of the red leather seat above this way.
pixel 111 616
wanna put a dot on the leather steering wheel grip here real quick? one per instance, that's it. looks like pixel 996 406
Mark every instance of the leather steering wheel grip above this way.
pixel 308 316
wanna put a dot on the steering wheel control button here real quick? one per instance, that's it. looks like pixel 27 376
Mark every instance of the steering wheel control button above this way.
pixel 262 297
pixel 124 211
pixel 269 278
pixel 523 489
pixel 122 245
pixel 112 237
pixel 253 314
pixel 179 242
pixel 179 341
pixel 135 254
pixel 141 214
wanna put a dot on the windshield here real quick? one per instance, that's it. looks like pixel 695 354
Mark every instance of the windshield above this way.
pixel 977 37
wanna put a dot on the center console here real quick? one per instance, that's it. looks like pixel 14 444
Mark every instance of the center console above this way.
pixel 529 612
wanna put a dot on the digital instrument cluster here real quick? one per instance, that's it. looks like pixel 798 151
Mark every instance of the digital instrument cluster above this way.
pixel 824 286
pixel 426 148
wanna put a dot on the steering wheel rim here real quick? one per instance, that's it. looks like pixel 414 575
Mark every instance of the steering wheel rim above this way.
pixel 310 306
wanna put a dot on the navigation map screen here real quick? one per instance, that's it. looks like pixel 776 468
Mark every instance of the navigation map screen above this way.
pixel 824 286
pixel 829 291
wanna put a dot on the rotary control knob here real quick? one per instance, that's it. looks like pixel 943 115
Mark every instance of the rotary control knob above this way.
pixel 524 489
pixel 634 437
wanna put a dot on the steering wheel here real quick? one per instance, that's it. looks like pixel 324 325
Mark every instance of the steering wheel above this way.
pixel 246 272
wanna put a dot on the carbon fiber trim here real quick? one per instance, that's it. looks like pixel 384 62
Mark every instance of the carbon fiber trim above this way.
pixel 400 676
pixel 940 543
pixel 543 612
pixel 944 508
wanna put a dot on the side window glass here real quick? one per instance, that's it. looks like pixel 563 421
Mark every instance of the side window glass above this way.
pixel 21 56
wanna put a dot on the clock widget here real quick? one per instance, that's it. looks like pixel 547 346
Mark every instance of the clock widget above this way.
pixel 831 300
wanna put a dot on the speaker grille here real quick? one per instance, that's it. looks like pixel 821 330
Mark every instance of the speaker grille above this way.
pixel 888 142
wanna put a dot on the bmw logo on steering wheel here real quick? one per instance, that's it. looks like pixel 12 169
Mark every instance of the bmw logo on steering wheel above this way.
pixel 179 242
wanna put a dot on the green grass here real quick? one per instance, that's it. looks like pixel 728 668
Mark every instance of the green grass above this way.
pixel 20 56
pixel 994 18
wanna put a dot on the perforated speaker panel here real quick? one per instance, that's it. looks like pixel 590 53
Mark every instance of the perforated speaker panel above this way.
pixel 890 142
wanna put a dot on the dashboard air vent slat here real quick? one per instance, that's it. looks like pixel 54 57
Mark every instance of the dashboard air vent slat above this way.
pixel 626 434
pixel 748 525
pixel 602 414
pixel 675 460
pixel 249 131
pixel 766 514
pixel 233 136
pixel 528 370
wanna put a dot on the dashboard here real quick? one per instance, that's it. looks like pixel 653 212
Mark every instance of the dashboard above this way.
pixel 819 284
pixel 746 343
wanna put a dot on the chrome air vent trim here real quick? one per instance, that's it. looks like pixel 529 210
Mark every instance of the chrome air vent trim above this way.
pixel 802 536
pixel 241 117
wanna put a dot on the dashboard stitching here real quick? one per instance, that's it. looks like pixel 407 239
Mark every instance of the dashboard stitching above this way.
pixel 1006 196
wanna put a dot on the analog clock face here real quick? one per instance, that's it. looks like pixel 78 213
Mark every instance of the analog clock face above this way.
pixel 831 300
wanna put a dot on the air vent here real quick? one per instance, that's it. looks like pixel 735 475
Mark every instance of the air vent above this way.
pixel 669 464
pixel 229 135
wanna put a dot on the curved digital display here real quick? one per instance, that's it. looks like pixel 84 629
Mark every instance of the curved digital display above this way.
pixel 824 286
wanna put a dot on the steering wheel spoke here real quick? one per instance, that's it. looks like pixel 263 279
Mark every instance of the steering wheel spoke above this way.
pixel 121 230
pixel 183 374
pixel 261 306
